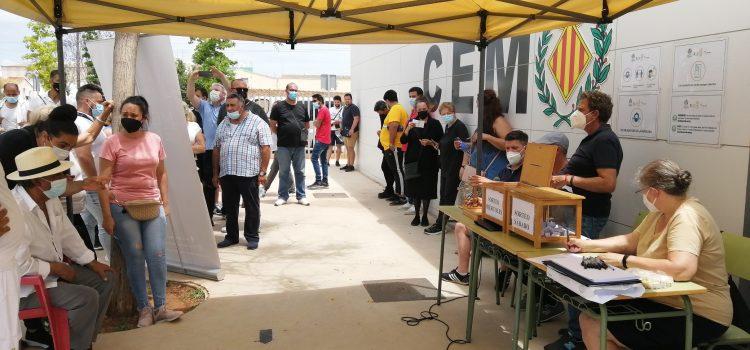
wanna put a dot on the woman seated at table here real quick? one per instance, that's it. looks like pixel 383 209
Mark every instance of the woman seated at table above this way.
pixel 680 238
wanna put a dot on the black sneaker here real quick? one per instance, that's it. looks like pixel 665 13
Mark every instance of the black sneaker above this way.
pixel 400 201
pixel 435 229
pixel 349 169
pixel 324 184
pixel 551 311
pixel 385 194
pixel 225 243
pixel 393 198
pixel 566 342
pixel 338 164
pixel 314 185
pixel 455 277
pixel 39 338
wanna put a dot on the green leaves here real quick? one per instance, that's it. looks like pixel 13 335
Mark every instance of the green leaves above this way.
pixel 210 53
pixel 42 51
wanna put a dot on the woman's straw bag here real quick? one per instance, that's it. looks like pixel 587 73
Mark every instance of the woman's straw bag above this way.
pixel 143 210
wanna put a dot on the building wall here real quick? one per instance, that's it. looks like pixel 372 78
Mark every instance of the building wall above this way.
pixel 449 72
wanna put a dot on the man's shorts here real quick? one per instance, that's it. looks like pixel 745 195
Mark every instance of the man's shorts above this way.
pixel 351 140
pixel 335 140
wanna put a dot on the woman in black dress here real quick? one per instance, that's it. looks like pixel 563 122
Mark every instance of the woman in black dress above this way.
pixel 421 161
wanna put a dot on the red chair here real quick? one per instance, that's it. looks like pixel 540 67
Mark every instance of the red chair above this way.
pixel 58 318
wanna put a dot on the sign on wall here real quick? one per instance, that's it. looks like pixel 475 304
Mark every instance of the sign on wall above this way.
pixel 699 66
pixel 568 62
pixel 637 116
pixel 696 119
pixel 639 69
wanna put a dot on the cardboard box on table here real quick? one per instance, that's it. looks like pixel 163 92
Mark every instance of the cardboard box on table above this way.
pixel 523 207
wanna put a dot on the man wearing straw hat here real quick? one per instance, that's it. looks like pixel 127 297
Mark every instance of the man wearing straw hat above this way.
pixel 83 288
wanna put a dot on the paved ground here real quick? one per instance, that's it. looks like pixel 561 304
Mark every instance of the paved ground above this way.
pixel 305 283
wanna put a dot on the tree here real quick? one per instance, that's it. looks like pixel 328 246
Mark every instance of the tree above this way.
pixel 123 77
pixel 209 53
pixel 91 76
pixel 182 77
pixel 42 51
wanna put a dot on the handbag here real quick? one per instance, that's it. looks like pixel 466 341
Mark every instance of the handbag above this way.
pixel 143 209
pixel 411 170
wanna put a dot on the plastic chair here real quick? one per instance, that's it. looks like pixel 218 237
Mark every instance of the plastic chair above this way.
pixel 58 318
pixel 735 250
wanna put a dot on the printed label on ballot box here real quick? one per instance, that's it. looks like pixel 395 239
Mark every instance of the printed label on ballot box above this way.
pixel 522 215
pixel 495 202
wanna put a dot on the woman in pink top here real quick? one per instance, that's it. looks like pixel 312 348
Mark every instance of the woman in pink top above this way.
pixel 132 163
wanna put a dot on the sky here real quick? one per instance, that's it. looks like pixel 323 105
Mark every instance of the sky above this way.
pixel 265 58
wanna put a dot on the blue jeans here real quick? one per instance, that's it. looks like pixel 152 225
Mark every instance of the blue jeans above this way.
pixel 319 160
pixel 592 228
pixel 93 218
pixel 143 242
pixel 291 157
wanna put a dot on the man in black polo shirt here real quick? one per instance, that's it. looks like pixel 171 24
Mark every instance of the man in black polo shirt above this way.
pixel 290 121
pixel 592 173
pixel 350 130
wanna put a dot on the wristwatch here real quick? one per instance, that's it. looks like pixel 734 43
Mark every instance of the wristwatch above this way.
pixel 262 173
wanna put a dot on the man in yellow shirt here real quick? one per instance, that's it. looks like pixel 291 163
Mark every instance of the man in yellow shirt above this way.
pixel 390 139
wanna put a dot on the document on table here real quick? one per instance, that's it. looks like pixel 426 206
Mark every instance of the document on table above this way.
pixel 597 294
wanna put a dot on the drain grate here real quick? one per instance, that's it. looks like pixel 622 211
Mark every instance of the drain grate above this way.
pixel 331 195
pixel 411 289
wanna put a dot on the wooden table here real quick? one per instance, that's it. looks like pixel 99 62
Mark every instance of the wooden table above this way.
pixel 681 289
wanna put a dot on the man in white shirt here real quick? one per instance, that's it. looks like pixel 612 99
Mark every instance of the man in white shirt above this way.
pixel 49 98
pixel 11 239
pixel 91 104
pixel 12 111
pixel 337 112
pixel 83 291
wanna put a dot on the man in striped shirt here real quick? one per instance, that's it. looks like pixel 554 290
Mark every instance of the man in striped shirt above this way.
pixel 240 159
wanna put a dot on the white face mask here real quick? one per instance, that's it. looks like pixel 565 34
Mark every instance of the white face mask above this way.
pixel 578 120
pixel 650 206
pixel 514 158
pixel 60 153
pixel 214 95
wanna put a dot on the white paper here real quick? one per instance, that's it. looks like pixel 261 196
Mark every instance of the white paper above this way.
pixel 696 119
pixel 598 295
pixel 418 123
pixel 637 116
pixel 494 204
pixel 699 66
pixel 522 215
pixel 640 70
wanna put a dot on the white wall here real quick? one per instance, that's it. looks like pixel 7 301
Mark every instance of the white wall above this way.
pixel 720 173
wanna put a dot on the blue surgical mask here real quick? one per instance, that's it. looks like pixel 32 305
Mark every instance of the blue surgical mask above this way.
pixel 11 99
pixel 57 188
pixel 316 105
pixel 448 118
pixel 293 95
pixel 97 110
pixel 412 101
pixel 233 115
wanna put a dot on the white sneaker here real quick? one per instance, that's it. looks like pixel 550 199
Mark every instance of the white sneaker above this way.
pixel 410 211
pixel 261 192
pixel 224 229
pixel 406 206
pixel 303 201
pixel 279 202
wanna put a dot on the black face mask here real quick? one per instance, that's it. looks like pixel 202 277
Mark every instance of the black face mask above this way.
pixel 242 92
pixel 423 115
pixel 131 125
pixel 56 86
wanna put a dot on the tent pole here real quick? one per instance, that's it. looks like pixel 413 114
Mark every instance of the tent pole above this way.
pixel 291 28
pixel 482 45
pixel 61 71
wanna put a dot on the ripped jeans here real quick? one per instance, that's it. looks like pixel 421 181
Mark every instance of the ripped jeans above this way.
pixel 143 243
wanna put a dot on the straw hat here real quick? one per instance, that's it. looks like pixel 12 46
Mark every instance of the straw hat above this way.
pixel 38 162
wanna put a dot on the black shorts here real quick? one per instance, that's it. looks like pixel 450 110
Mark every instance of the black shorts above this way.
pixel 665 333
pixel 335 140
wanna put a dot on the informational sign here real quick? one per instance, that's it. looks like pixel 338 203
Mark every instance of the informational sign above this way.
pixel 637 116
pixel 522 215
pixel 699 66
pixel 639 69
pixel 495 204
pixel 696 119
